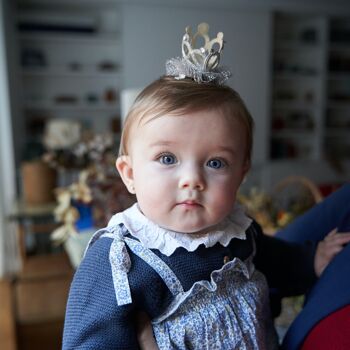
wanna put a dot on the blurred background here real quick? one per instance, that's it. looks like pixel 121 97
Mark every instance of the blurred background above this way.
pixel 68 72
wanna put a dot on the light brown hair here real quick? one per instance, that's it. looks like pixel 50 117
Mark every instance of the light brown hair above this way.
pixel 168 95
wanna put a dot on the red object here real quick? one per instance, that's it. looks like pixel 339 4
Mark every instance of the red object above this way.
pixel 331 333
pixel 327 189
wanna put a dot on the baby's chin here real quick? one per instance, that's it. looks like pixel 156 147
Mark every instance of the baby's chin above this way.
pixel 190 230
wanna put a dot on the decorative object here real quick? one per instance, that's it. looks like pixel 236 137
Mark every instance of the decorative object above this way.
pixel 33 58
pixel 70 148
pixel 38 182
pixel 200 64
pixel 65 211
pixel 110 95
pixel 88 203
pixel 103 196
pixel 66 99
pixel 61 134
pixel 108 66
pixel 75 246
pixel 290 198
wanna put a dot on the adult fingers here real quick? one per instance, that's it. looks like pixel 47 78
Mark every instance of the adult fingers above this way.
pixel 338 238
pixel 330 235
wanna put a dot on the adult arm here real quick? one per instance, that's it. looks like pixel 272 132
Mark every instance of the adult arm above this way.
pixel 288 267
pixel 321 219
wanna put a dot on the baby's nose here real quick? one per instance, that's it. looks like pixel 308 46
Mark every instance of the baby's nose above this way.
pixel 192 179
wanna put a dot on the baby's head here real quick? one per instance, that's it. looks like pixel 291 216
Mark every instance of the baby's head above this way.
pixel 184 151
pixel 171 96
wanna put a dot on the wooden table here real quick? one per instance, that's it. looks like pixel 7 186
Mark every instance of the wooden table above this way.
pixel 40 288
pixel 7 318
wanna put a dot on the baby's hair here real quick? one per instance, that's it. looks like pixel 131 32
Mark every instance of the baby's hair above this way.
pixel 168 95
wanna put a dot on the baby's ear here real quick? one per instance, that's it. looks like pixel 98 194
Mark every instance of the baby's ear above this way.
pixel 246 166
pixel 124 167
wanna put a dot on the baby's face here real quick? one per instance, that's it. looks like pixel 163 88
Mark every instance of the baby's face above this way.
pixel 186 169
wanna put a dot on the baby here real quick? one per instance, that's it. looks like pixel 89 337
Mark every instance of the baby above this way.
pixel 185 254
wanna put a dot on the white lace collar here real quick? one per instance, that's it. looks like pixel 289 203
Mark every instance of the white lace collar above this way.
pixel 166 241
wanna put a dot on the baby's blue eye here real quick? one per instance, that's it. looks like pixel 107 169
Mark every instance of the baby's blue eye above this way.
pixel 167 159
pixel 216 163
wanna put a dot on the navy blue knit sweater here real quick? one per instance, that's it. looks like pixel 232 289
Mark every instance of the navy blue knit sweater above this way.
pixel 95 321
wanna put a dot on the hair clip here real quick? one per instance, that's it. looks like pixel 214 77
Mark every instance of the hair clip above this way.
pixel 200 64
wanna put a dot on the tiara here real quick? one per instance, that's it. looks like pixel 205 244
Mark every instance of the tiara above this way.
pixel 200 64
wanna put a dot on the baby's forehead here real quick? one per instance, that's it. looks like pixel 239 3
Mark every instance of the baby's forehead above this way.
pixel 222 113
pixel 173 125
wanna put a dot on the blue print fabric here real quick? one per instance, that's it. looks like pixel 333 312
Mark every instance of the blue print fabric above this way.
pixel 230 311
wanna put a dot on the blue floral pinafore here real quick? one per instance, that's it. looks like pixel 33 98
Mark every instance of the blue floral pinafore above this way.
pixel 231 311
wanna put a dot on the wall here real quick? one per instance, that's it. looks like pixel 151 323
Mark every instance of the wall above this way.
pixel 7 173
pixel 152 34
pixel 152 31
pixel 320 172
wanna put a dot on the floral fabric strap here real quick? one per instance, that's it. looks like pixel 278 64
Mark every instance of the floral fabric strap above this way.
pixel 163 270
pixel 121 263
pixel 119 260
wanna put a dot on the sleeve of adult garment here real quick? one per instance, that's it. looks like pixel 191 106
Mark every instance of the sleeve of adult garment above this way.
pixel 288 267
pixel 93 318
pixel 319 220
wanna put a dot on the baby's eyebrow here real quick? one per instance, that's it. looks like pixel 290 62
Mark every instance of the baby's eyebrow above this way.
pixel 161 143
pixel 226 149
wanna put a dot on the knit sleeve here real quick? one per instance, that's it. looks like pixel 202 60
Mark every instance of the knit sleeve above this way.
pixel 288 267
pixel 93 318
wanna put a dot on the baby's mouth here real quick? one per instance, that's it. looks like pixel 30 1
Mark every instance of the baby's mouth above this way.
pixel 190 203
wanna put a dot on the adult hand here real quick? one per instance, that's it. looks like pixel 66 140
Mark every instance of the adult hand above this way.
pixel 328 248
pixel 145 333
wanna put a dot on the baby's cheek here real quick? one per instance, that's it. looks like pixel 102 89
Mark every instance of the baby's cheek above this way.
pixel 223 187
pixel 223 198
pixel 151 199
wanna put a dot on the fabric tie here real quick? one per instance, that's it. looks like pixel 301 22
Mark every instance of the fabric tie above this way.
pixel 120 264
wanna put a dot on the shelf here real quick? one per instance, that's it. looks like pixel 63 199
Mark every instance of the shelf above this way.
pixel 70 66
pixel 291 159
pixel 338 133
pixel 72 38
pixel 297 46
pixel 292 162
pixel 278 104
pixel 340 47
pixel 73 107
pixel 299 64
pixel 338 105
pixel 294 76
pixel 65 73
pixel 339 76
pixel 7 319
pixel 292 133
pixel 46 266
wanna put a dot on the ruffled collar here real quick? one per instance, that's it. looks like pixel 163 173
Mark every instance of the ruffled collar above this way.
pixel 166 241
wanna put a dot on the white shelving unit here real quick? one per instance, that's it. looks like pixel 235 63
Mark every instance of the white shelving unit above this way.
pixel 298 75
pixel 337 121
pixel 311 88
pixel 70 66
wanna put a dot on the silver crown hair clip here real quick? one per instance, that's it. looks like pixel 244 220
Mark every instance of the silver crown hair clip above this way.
pixel 200 64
